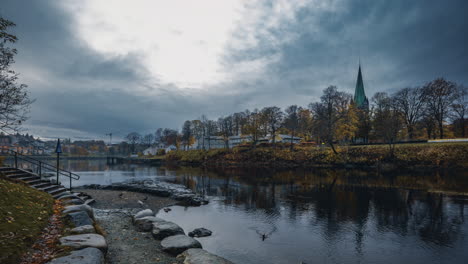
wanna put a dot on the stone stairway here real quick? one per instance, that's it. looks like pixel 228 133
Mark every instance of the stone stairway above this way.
pixel 35 181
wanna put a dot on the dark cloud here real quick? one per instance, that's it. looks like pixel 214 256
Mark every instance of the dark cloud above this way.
pixel 82 93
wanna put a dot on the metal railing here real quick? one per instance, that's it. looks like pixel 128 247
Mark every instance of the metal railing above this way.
pixel 42 167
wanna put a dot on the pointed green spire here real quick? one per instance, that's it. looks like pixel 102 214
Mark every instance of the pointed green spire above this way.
pixel 360 98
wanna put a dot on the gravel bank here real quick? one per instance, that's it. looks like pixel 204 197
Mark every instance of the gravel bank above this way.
pixel 113 210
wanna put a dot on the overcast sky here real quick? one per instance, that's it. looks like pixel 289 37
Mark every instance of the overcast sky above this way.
pixel 97 66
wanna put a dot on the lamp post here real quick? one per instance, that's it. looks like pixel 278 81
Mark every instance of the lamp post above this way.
pixel 58 150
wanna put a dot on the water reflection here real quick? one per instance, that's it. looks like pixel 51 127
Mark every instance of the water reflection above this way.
pixel 316 216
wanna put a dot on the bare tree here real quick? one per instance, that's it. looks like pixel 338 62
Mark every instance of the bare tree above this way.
pixel 273 117
pixel 439 96
pixel 187 133
pixel 14 98
pixel 147 140
pixel 410 102
pixel 387 119
pixel 225 126
pixel 291 121
pixel 133 138
pixel 460 108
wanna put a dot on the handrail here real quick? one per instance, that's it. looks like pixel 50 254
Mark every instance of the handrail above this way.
pixel 44 165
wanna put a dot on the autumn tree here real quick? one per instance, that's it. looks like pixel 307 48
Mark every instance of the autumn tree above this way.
pixel 439 95
pixel 410 103
pixel 14 98
pixel 273 118
pixel 329 115
pixel 253 125
pixel 169 136
pixel 305 123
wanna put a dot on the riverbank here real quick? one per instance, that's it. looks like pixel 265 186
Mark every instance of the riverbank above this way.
pixel 113 212
pixel 424 155
pixel 24 213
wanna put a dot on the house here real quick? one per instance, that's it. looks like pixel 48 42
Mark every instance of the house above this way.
pixel 170 148
pixel 283 138
pixel 235 141
pixel 210 142
pixel 151 151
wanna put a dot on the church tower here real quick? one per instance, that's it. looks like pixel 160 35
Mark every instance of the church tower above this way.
pixel 360 98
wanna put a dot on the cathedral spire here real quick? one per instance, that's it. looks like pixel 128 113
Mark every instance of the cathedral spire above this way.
pixel 360 98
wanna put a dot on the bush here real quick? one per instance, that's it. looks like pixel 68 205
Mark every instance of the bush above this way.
pixel 161 152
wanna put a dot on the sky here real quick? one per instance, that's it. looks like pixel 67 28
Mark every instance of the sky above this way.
pixel 101 66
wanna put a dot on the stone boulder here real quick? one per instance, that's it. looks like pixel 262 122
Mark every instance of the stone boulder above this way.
pixel 145 224
pixel 200 232
pixel 201 256
pixel 83 256
pixel 165 229
pixel 80 218
pixel 78 208
pixel 179 243
pixel 84 241
pixel 85 229
pixel 143 213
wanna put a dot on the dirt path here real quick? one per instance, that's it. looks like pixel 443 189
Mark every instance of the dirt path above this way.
pixel 113 210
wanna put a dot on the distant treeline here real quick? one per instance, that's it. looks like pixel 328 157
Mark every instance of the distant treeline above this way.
pixel 435 110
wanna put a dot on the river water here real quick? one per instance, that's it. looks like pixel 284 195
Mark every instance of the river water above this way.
pixel 314 216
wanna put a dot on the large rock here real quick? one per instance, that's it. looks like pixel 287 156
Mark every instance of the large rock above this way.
pixel 82 256
pixel 144 213
pixel 78 208
pixel 179 243
pixel 80 218
pixel 165 229
pixel 84 241
pixel 200 232
pixel 145 224
pixel 200 256
pixel 86 229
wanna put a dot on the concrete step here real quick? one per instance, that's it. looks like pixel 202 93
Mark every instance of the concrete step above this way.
pixel 18 175
pixel 2 169
pixel 57 192
pixel 36 181
pixel 40 185
pixel 28 178
pixel 11 171
pixel 49 188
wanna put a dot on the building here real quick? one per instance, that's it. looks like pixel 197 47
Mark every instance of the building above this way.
pixel 235 141
pixel 283 138
pixel 360 98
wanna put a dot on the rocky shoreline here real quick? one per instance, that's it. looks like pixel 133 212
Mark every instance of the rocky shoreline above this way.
pixel 130 235
pixel 181 194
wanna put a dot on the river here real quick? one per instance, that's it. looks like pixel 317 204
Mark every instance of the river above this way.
pixel 314 216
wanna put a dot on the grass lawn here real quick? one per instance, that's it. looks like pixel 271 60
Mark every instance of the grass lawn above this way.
pixel 24 213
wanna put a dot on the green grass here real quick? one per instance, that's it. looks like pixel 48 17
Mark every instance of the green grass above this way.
pixel 24 213
pixel 426 155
